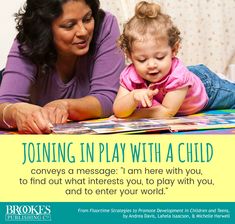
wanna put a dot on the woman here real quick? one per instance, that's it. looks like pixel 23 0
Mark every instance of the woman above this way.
pixel 64 64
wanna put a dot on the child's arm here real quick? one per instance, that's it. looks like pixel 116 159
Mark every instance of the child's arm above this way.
pixel 127 101
pixel 169 107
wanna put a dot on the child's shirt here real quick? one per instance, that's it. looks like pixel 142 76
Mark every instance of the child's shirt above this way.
pixel 178 77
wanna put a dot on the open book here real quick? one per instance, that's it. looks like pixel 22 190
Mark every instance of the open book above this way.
pixel 204 121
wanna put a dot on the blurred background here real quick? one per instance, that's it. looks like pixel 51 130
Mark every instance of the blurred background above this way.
pixel 207 27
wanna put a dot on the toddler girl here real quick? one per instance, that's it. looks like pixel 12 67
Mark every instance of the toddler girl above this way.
pixel 157 84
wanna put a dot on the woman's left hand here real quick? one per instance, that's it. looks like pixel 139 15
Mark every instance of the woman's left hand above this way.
pixel 58 111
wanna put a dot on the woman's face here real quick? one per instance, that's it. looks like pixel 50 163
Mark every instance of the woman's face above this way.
pixel 73 30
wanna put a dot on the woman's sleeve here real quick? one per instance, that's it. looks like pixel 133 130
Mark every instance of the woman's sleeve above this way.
pixel 17 77
pixel 107 66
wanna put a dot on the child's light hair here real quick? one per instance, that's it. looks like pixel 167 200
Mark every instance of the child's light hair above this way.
pixel 148 19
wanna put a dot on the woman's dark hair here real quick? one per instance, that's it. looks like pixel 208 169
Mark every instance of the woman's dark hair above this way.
pixel 34 26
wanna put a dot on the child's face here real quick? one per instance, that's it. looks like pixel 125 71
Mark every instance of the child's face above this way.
pixel 152 59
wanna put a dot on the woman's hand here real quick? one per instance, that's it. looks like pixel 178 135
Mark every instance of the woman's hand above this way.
pixel 31 119
pixel 35 119
pixel 57 111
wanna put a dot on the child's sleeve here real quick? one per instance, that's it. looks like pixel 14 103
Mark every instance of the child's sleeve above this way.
pixel 125 80
pixel 179 80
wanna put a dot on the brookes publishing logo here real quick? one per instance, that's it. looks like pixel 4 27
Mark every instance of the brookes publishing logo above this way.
pixel 28 213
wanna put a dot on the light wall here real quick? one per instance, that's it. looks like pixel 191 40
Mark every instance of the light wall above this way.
pixel 7 25
pixel 207 28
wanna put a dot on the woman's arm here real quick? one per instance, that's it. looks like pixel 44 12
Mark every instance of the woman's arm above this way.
pixel 79 109
pixel 16 110
pixel 29 118
pixel 25 117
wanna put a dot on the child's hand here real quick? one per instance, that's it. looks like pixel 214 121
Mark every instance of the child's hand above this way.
pixel 144 96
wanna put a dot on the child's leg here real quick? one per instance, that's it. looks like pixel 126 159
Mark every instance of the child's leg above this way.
pixel 221 92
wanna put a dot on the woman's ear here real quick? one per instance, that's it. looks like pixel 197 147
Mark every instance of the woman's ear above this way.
pixel 175 49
